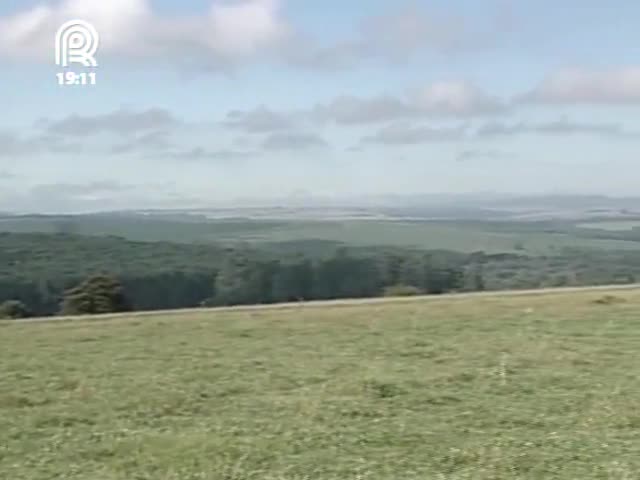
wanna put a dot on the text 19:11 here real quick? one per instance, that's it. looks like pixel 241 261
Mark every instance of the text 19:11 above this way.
pixel 72 78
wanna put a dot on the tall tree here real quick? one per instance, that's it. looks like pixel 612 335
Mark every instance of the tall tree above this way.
pixel 97 294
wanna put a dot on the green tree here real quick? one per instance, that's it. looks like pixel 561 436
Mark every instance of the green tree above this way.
pixel 98 294
pixel 293 281
pixel 392 269
pixel 439 276
pixel 244 280
pixel 344 276
pixel 478 279
pixel 13 310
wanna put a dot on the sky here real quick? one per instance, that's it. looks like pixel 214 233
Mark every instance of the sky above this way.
pixel 212 103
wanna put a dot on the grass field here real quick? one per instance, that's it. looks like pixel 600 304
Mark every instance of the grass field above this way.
pixel 482 387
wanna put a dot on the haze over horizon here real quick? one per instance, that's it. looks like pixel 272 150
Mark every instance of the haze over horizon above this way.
pixel 202 102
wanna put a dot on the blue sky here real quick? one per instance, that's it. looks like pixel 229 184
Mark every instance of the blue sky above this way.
pixel 200 102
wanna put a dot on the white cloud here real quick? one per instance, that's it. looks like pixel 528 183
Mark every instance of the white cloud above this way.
pixel 130 28
pixel 562 127
pixel 398 34
pixel 234 30
pixel 409 28
pixel 442 99
pixel 244 28
pixel 119 122
pixel 204 154
pixel 293 141
pixel 259 120
pixel 580 86
pixel 15 145
pixel 407 134
pixel 469 155
pixel 351 110
pixel 456 98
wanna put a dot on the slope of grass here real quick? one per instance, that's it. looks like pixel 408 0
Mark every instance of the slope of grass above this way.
pixel 513 387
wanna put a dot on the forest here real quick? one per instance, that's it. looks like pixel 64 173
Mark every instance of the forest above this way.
pixel 51 274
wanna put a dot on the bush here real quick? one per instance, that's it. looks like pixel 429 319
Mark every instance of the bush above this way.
pixel 13 310
pixel 609 300
pixel 401 291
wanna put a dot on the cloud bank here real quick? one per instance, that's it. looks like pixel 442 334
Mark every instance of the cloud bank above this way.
pixel 226 34
pixel 589 87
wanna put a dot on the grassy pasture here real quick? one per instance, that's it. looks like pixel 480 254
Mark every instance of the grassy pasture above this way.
pixel 481 387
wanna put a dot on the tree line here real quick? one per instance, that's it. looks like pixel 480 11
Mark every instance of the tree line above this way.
pixel 244 279
pixel 52 274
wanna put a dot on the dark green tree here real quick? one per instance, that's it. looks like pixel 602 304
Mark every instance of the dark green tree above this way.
pixel 345 276
pixel 98 294
pixel 13 310
pixel 293 281
pixel 439 276
pixel 244 280
pixel 478 278
pixel 392 269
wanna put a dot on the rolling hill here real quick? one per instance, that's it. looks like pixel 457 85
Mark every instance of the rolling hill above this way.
pixel 488 386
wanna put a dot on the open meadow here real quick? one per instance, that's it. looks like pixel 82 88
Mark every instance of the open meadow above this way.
pixel 543 386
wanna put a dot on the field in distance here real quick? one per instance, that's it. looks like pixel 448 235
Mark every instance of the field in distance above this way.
pixel 524 237
pixel 484 387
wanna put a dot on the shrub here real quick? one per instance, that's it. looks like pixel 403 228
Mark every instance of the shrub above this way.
pixel 608 300
pixel 14 310
pixel 402 291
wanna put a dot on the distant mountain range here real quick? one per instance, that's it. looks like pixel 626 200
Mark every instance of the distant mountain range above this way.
pixel 472 205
